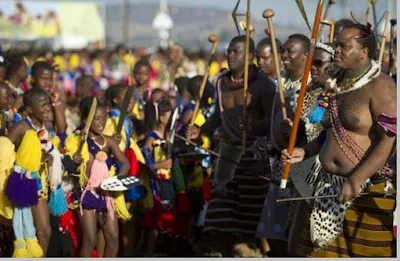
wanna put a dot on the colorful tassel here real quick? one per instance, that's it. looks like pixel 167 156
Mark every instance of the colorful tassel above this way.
pixel 120 207
pixel 98 173
pixel 34 248
pixel 30 233
pixel 21 190
pixel 29 152
pixel 58 203
pixel 20 249
pixel 178 176
pixel 134 164
pixel 7 158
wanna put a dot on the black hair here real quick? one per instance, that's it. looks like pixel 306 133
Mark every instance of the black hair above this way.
pixel 342 23
pixel 155 91
pixel 194 84
pixel 139 127
pixel 242 39
pixel 150 120
pixel 85 81
pixel 268 41
pixel 366 38
pixel 112 92
pixel 31 97
pixel 40 66
pixel 181 83
pixel 12 61
pixel 85 105
pixel 304 40
pixel 141 63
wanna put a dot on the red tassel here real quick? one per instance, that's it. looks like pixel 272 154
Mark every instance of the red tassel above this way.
pixel 182 203
pixel 206 189
pixel 166 221
pixel 94 254
pixel 131 156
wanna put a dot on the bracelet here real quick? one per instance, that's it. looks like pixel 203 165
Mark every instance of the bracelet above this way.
pixel 55 104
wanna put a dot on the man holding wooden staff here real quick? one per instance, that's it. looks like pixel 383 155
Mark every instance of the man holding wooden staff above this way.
pixel 355 151
pixel 237 195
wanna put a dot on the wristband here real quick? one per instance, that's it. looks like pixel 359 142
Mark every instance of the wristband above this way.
pixel 55 104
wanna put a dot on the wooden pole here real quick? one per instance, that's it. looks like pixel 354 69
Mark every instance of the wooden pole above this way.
pixel 300 101
pixel 246 76
pixel 383 40
pixel 331 25
pixel 213 39
pixel 268 14
pixel 330 3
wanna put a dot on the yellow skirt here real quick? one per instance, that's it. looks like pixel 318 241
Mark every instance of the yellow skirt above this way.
pixel 367 230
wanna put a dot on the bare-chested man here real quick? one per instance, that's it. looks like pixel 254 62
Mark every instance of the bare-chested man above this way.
pixel 237 195
pixel 360 138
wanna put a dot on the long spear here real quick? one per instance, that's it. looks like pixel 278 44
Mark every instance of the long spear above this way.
pixel 300 101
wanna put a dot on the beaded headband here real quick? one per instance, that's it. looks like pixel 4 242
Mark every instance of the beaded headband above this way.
pixel 326 48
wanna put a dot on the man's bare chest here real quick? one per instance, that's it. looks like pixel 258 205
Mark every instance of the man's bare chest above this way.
pixel 232 99
pixel 353 110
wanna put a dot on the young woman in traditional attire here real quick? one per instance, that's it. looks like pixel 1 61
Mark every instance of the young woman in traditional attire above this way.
pixel 98 208
pixel 7 158
pixel 43 78
pixel 16 73
pixel 142 93
pixel 115 96
pixel 158 217
pixel 39 162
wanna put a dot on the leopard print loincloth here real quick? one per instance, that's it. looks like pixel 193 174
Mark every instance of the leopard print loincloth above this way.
pixel 327 216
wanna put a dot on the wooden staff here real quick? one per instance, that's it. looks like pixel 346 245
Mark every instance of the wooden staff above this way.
pixel 389 193
pixel 331 25
pixel 330 3
pixel 268 14
pixel 373 2
pixel 383 40
pixel 367 12
pixel 296 120
pixel 213 39
pixel 393 23
pixel 246 75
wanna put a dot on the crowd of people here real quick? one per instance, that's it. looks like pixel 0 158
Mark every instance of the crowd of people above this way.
pixel 72 120
pixel 22 25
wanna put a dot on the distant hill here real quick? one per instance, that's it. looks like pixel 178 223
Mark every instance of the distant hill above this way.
pixel 192 25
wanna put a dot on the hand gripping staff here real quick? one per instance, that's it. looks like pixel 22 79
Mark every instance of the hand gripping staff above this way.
pixel 300 101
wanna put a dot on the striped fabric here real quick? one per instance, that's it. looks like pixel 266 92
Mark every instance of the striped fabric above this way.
pixel 367 230
pixel 239 210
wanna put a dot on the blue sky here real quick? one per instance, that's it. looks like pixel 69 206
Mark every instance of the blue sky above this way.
pixel 286 10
